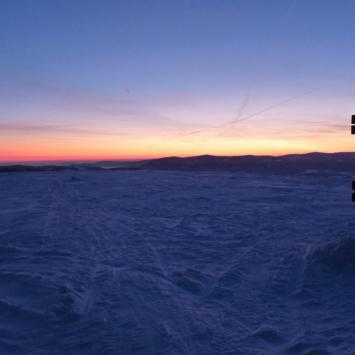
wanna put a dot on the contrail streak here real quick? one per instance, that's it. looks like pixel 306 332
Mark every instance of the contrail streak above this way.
pixel 237 120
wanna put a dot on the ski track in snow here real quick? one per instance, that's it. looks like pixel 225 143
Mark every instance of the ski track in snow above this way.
pixel 148 262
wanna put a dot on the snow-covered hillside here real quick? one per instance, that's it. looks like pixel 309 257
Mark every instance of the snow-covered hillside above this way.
pixel 150 262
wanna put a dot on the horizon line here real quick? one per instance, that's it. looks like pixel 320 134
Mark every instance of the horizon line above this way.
pixel 132 159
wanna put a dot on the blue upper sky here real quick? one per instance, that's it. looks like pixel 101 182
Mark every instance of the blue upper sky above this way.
pixel 184 71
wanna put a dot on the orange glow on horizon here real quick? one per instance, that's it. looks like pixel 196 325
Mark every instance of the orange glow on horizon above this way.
pixel 103 148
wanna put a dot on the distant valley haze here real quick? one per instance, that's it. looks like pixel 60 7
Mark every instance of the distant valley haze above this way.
pixel 342 162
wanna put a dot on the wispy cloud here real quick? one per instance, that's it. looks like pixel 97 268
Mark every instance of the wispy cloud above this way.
pixel 85 104
pixel 52 129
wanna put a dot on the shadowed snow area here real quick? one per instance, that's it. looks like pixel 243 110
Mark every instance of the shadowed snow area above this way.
pixel 151 262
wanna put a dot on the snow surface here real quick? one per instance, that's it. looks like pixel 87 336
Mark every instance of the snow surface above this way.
pixel 149 262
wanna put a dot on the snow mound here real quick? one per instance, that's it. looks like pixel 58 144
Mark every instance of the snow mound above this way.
pixel 336 256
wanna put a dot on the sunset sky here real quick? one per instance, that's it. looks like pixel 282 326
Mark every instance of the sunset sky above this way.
pixel 84 79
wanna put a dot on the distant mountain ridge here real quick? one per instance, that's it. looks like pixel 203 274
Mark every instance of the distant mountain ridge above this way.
pixel 290 163
pixel 343 161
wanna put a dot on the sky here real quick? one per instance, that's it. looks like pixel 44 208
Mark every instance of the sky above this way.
pixel 85 79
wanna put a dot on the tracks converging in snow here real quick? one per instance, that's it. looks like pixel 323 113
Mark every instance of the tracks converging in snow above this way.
pixel 170 263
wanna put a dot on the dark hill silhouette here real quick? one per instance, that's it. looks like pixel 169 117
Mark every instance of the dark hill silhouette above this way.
pixel 252 163
pixel 291 163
